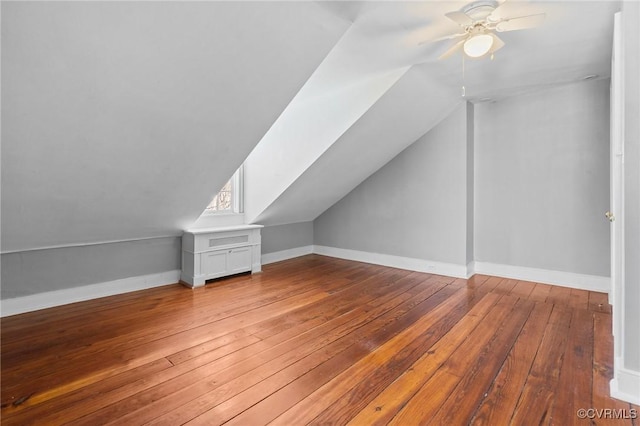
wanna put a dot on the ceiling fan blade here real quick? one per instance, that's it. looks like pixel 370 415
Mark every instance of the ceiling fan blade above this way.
pixel 497 15
pixel 450 36
pixel 447 37
pixel 453 49
pixel 459 18
pixel 497 44
pixel 520 23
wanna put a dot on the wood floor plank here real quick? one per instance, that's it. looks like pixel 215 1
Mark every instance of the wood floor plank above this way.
pixel 309 372
pixel 291 323
pixel 491 283
pixel 559 295
pixel 388 402
pixel 31 410
pixel 523 289
pixel 540 292
pixel 181 389
pixel 315 340
pixel 477 280
pixel 575 382
pixel 433 401
pixel 461 404
pixel 106 364
pixel 599 302
pixel 378 379
pixel 339 302
pixel 579 299
pixel 539 388
pixel 93 374
pixel 391 320
pixel 500 402
pixel 505 286
pixel 337 398
pixel 602 375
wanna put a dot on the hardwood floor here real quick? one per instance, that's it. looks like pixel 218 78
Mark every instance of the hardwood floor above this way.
pixel 316 340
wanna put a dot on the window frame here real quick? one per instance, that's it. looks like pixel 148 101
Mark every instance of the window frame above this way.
pixel 237 196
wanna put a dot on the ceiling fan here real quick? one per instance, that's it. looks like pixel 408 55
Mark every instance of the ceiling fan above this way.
pixel 480 20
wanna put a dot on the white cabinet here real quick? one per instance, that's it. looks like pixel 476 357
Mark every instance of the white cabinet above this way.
pixel 217 252
pixel 214 263
pixel 239 260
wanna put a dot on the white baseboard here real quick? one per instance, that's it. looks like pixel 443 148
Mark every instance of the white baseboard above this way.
pixel 471 269
pixel 65 296
pixel 545 276
pixel 567 279
pixel 563 279
pixel 625 385
pixel 409 263
pixel 278 256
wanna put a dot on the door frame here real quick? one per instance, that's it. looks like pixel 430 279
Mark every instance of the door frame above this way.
pixel 616 295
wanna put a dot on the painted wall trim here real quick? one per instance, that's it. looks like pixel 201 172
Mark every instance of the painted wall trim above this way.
pixel 626 380
pixel 50 299
pixel 95 243
pixel 471 268
pixel 409 263
pixel 625 384
pixel 278 256
pixel 270 225
pixel 545 276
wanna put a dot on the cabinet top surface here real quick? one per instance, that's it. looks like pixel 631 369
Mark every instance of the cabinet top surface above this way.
pixel 222 229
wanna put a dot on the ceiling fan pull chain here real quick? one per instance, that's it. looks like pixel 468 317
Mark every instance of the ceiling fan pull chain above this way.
pixel 463 88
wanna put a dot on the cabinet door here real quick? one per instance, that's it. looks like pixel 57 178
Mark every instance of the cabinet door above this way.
pixel 214 264
pixel 239 260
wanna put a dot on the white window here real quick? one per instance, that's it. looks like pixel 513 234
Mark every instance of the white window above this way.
pixel 230 198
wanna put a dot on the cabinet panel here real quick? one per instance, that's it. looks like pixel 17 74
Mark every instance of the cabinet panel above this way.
pixel 214 263
pixel 239 260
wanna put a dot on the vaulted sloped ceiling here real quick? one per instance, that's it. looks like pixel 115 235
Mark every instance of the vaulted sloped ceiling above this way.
pixel 120 118
pixel 335 133
pixel 414 105
pixel 303 164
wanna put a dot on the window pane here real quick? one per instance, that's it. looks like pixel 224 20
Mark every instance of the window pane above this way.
pixel 222 201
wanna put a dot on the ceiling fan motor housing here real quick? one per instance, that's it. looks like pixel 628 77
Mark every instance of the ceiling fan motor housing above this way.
pixel 480 10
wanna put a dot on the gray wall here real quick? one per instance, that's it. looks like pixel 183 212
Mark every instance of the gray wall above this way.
pixel 631 41
pixel 36 271
pixel 284 237
pixel 535 168
pixel 542 179
pixel 414 206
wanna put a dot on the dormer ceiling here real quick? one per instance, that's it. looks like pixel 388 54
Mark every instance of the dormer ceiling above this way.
pixel 305 163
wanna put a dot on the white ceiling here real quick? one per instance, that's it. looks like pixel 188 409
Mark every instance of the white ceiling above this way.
pixel 573 42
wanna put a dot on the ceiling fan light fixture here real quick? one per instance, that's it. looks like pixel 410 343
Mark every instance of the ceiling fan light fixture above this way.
pixel 478 45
